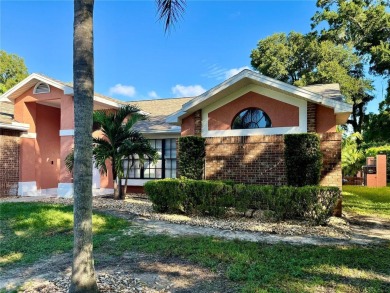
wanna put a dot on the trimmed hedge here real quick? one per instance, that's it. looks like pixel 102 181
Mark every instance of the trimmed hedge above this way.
pixel 191 156
pixel 314 203
pixel 303 159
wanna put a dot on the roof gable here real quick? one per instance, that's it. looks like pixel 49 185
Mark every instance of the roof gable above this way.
pixel 248 77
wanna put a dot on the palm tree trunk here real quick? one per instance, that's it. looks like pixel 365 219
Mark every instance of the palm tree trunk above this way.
pixel 83 271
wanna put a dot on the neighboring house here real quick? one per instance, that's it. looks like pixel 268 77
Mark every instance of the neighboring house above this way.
pixel 243 120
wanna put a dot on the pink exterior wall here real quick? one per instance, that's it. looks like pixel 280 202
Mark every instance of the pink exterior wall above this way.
pixel 48 146
pixel 67 112
pixel 188 125
pixel 66 146
pixel 106 181
pixel 280 113
pixel 27 159
pixel 325 119
pixel 381 171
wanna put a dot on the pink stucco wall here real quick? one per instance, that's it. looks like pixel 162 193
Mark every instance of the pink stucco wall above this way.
pixel 325 119
pixel 188 125
pixel 48 146
pixel 280 113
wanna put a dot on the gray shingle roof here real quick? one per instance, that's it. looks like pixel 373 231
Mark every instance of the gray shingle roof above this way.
pixel 157 111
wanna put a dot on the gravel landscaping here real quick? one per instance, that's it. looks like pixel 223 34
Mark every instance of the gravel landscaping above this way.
pixel 139 205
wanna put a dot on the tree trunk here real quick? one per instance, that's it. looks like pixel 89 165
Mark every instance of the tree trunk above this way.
pixel 117 194
pixel 83 271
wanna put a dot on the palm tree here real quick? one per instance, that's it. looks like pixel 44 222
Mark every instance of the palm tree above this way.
pixel 83 273
pixel 119 141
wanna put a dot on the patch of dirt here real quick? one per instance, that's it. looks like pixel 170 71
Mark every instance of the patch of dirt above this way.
pixel 131 272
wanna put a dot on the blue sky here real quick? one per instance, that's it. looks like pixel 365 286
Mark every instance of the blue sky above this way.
pixel 135 59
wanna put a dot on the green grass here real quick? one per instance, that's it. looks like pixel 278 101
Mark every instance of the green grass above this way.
pixel 257 267
pixel 367 201
pixel 30 231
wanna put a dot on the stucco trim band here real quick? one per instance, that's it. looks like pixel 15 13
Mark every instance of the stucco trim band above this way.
pixel 67 132
pixel 28 189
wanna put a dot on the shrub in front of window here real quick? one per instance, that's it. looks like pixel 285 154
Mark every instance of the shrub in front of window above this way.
pixel 303 159
pixel 191 156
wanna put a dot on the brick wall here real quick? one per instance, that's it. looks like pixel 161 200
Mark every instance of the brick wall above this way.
pixel 9 161
pixel 331 151
pixel 198 122
pixel 246 159
pixel 260 159
pixel 311 117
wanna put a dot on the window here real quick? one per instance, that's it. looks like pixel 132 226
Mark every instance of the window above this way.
pixel 165 167
pixel 41 88
pixel 251 118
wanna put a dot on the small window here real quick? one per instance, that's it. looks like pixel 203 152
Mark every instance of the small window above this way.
pixel 251 118
pixel 41 88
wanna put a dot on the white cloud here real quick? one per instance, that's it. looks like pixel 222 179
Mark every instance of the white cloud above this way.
pixel 123 90
pixel 220 73
pixel 153 94
pixel 230 72
pixel 187 91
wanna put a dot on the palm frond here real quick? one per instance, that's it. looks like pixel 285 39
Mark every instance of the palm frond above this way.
pixel 170 11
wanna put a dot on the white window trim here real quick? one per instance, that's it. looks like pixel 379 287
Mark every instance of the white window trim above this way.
pixel 37 85
pixel 301 104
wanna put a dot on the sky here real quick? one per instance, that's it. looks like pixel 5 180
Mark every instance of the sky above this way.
pixel 135 59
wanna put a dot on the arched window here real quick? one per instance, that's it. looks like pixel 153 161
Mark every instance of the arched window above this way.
pixel 251 118
pixel 41 88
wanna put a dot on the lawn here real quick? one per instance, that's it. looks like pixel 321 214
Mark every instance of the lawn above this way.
pixel 257 267
pixel 31 231
pixel 367 201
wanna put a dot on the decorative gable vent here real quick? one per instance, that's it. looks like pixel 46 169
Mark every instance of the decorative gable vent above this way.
pixel 41 88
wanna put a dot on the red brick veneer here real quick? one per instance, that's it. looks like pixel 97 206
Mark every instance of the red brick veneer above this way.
pixel 260 159
pixel 9 161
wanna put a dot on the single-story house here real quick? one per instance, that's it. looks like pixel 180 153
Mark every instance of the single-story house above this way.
pixel 243 120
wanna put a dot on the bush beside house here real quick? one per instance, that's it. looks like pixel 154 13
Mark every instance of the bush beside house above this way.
pixel 303 159
pixel 314 203
pixel 191 156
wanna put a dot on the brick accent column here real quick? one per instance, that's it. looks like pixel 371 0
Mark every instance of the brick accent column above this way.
pixel 198 123
pixel 311 117
pixel 330 145
pixel 9 162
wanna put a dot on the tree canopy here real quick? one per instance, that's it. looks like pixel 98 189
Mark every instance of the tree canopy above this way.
pixel 304 60
pixel 12 70
pixel 363 23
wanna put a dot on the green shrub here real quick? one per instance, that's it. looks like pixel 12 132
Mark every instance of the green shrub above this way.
pixel 166 195
pixel 207 197
pixel 314 203
pixel 191 156
pixel 252 197
pixel 303 159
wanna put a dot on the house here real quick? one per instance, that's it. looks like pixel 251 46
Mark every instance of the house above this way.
pixel 243 120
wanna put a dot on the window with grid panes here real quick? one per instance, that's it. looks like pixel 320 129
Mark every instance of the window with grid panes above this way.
pixel 165 167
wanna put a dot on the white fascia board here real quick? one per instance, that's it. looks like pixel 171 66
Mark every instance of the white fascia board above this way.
pixel 15 126
pixel 174 118
pixel 37 77
pixel 172 130
pixel 106 102
pixel 338 106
